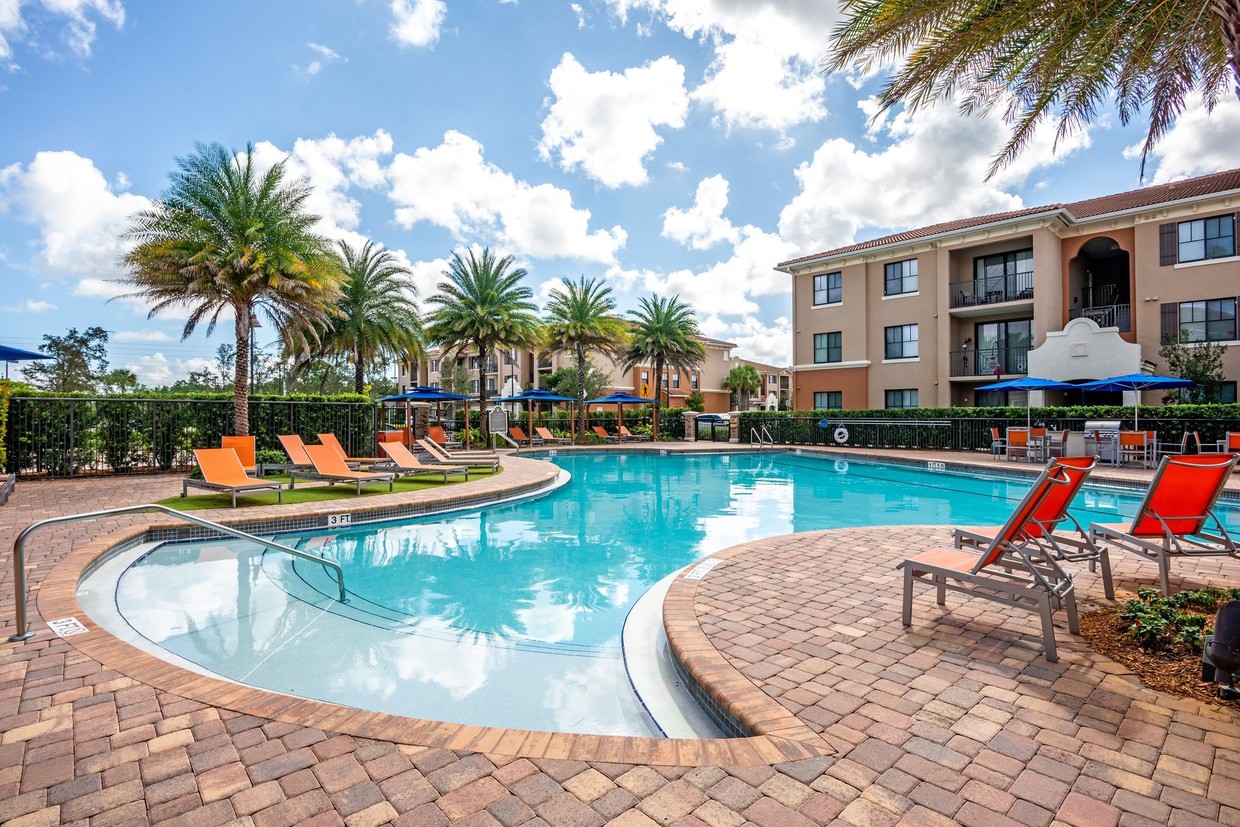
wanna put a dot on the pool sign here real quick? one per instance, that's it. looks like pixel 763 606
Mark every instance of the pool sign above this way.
pixel 67 627
pixel 823 423
pixel 334 520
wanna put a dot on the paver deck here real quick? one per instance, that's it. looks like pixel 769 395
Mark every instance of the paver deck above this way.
pixel 957 720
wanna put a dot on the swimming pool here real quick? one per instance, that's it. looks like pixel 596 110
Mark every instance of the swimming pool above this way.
pixel 512 615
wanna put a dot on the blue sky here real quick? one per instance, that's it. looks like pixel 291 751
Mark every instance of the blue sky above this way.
pixel 668 146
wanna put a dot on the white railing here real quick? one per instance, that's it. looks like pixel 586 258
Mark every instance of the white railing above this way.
pixel 761 437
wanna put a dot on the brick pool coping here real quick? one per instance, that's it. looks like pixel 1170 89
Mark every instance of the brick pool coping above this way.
pixel 916 719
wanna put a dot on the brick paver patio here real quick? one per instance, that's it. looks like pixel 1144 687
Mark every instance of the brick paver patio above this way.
pixel 957 720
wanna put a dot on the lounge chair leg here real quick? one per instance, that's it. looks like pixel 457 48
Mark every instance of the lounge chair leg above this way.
pixel 184 490
pixel 279 495
pixel 1164 573
pixel 1108 586
pixel 1048 629
pixel 907 617
pixel 940 596
pixel 1074 624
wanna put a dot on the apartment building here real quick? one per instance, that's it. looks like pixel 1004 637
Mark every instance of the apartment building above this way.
pixel 1073 292
pixel 510 371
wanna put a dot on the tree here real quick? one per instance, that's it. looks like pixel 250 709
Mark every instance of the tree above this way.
pixel 696 401
pixel 227 238
pixel 482 304
pixel 744 381
pixel 377 317
pixel 78 364
pixel 581 318
pixel 119 381
pixel 664 334
pixel 1201 362
pixel 1031 58
pixel 565 382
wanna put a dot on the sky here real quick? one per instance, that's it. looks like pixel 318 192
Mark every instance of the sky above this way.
pixel 670 147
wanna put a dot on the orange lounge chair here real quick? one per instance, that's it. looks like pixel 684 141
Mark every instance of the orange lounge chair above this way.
pixel 1040 526
pixel 1230 443
pixel 1176 519
pixel 1043 587
pixel 330 439
pixel 244 446
pixel 295 449
pixel 626 434
pixel 546 436
pixel 436 434
pixel 602 433
pixel 329 467
pixel 518 435
pixel 222 472
pixel 462 461
pixel 405 463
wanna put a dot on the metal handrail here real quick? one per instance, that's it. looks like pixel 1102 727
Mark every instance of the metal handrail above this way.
pixel 19 551
pixel 756 435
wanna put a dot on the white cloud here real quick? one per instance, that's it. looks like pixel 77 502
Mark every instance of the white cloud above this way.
pixel 29 306
pixel 931 170
pixel 78 17
pixel 1199 143
pixel 325 55
pixel 80 217
pixel 757 340
pixel 140 336
pixel 454 187
pixel 158 369
pixel 418 22
pixel 703 224
pixel 764 71
pixel 579 13
pixel 604 122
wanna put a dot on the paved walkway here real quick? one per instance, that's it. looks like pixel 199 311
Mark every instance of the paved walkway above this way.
pixel 957 720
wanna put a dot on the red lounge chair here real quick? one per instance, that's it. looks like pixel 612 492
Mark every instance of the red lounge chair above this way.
pixel 1043 587
pixel 329 467
pixel 1040 527
pixel 222 472
pixel 436 434
pixel 244 446
pixel 600 432
pixel 405 463
pixel 1177 518
pixel 546 436
pixel 519 436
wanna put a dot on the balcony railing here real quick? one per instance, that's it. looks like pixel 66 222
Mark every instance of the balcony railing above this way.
pixel 1111 315
pixel 991 290
pixel 1005 360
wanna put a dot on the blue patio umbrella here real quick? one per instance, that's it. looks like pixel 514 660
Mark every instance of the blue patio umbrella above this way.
pixel 425 393
pixel 1028 383
pixel 620 399
pixel 532 395
pixel 16 354
pixel 1138 382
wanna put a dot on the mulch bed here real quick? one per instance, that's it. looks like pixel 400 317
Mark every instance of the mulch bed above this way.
pixel 1174 673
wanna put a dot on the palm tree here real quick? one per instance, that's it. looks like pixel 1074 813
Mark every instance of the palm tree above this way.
pixel 664 333
pixel 377 317
pixel 744 381
pixel 227 238
pixel 581 318
pixel 482 304
pixel 1033 58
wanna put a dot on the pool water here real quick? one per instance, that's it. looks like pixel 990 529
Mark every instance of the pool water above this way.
pixel 512 615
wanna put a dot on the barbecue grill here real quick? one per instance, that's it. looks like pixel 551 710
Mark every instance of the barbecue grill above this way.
pixel 1102 439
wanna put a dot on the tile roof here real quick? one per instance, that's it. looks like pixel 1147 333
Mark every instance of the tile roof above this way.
pixel 1119 202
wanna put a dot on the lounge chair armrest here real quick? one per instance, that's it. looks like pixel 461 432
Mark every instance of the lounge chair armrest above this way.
pixel 963 537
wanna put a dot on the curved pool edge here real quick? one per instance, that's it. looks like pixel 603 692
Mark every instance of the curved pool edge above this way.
pixel 57 598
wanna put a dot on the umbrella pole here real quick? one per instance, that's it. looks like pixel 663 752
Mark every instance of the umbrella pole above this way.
pixel 530 409
pixel 466 424
pixel 572 423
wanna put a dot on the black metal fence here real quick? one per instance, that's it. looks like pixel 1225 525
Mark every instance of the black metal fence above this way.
pixel 64 437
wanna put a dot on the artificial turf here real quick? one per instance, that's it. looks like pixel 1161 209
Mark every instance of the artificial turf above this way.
pixel 312 491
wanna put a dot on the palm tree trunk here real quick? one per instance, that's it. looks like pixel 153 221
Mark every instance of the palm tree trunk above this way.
pixel 484 349
pixel 241 372
pixel 580 413
pixel 658 397
pixel 1229 11
pixel 359 371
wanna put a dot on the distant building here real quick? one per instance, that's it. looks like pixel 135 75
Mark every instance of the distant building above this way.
pixel 1071 292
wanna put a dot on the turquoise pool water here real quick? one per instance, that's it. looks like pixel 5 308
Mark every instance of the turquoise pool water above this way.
pixel 511 615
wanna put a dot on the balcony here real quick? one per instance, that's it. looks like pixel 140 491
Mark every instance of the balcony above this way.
pixel 984 292
pixel 1109 315
pixel 990 362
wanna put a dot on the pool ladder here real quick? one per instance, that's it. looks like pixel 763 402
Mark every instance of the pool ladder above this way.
pixel 761 437
pixel 19 551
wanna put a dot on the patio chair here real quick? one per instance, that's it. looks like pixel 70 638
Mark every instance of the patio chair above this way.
pixel 520 436
pixel 462 460
pixel 1134 445
pixel 1040 527
pixel 602 433
pixel 998 444
pixel 1230 443
pixel 547 436
pixel 222 472
pixel 1018 444
pixel 244 446
pixel 402 461
pixel 328 466
pixel 626 434
pixel 330 439
pixel 436 434
pixel 1055 444
pixel 1042 588
pixel 1176 518
pixel 1189 438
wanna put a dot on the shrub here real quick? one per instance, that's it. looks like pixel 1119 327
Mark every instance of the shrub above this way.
pixel 1162 623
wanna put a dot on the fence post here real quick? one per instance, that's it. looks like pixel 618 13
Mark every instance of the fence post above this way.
pixel 72 442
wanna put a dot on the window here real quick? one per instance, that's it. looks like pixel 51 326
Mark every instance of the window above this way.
pixel 828 288
pixel 900 277
pixel 1227 392
pixel 1207 238
pixel 474 385
pixel 770 379
pixel 901 342
pixel 675 380
pixel 1209 321
pixel 903 398
pixel 645 376
pixel 828 400
pixel 828 347
pixel 473 362
pixel 1004 276
pixel 1001 345
pixel 693 381
pixel 490 384
pixel 434 366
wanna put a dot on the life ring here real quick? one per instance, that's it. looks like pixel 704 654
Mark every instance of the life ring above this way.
pixel 841 435
pixel 841 466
